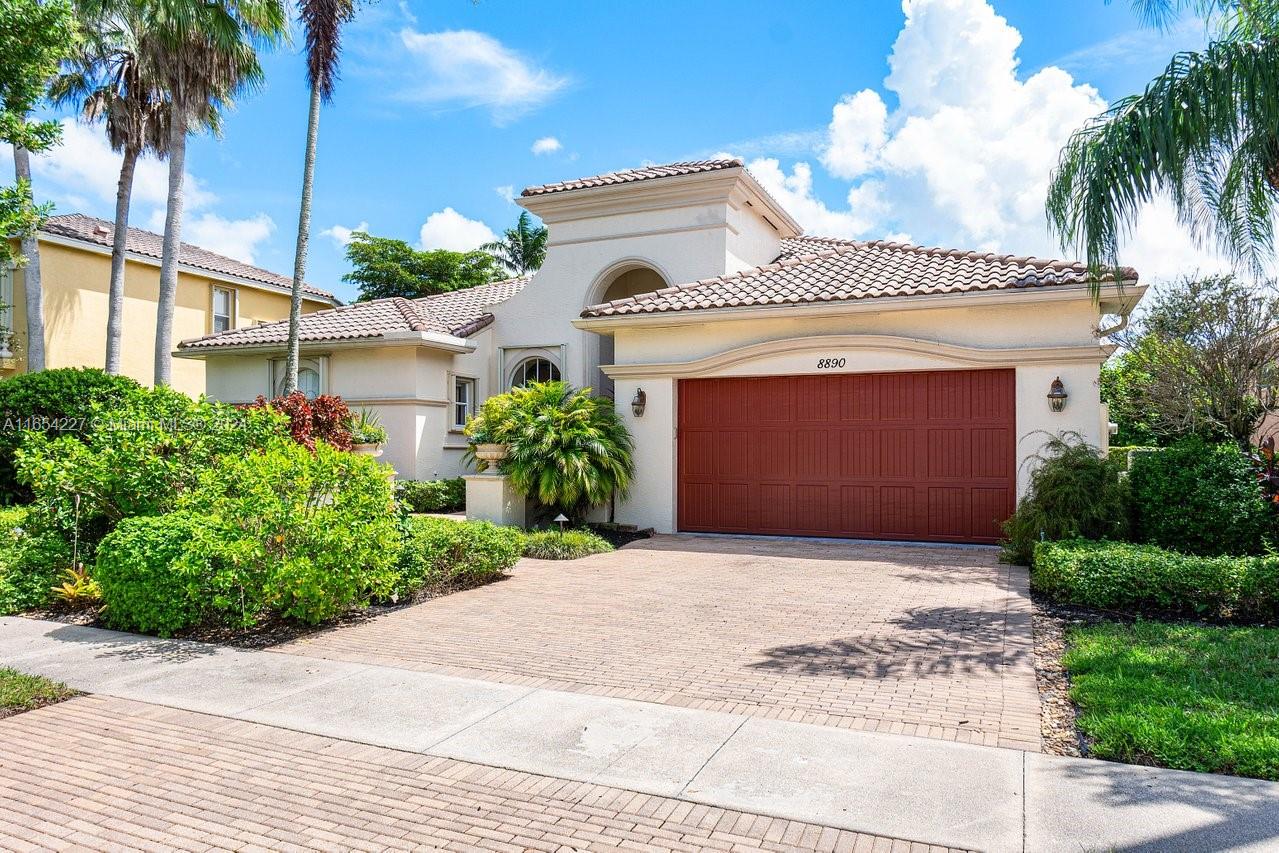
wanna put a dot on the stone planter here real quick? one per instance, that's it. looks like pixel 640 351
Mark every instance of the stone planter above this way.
pixel 373 450
pixel 491 454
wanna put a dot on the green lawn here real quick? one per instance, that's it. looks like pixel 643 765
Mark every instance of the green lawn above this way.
pixel 20 692
pixel 1184 696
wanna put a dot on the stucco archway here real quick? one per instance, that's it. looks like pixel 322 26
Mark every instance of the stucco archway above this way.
pixel 622 279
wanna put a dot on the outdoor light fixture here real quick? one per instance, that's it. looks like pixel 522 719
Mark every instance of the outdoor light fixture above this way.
pixel 638 402
pixel 1057 395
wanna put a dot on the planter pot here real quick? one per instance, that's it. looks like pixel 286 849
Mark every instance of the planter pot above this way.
pixel 373 450
pixel 492 453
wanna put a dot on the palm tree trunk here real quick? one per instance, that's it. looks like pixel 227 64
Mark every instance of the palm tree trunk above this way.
pixel 304 237
pixel 115 293
pixel 31 288
pixel 171 247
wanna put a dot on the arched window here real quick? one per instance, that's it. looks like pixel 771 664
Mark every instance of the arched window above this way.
pixel 308 383
pixel 534 369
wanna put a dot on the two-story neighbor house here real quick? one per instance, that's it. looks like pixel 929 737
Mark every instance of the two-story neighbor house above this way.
pixel 773 382
pixel 215 293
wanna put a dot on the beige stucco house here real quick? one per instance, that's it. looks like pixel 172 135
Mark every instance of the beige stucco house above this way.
pixel 774 383
pixel 214 293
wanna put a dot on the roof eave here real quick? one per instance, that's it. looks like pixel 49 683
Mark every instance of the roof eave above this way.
pixel 1044 293
pixel 429 340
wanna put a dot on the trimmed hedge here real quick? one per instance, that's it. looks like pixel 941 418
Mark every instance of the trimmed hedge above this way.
pixel 142 568
pixel 432 495
pixel 55 403
pixel 569 545
pixel 1119 453
pixel 439 551
pixel 1199 498
pixel 1123 576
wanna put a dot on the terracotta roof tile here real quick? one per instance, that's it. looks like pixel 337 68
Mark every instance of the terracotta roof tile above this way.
pixel 629 176
pixel 459 313
pixel 102 232
pixel 817 269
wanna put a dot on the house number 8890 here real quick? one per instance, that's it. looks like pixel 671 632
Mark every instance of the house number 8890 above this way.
pixel 829 363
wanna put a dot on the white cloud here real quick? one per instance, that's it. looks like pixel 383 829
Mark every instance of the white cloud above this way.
pixel 84 169
pixel 475 70
pixel 341 235
pixel 506 192
pixel 235 238
pixel 857 133
pixel 546 145
pixel 448 229
pixel 964 159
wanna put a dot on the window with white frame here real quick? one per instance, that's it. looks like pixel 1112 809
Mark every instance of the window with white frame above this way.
pixel 463 401
pixel 223 309
pixel 310 379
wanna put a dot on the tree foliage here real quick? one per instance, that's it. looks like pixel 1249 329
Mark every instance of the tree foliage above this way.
pixel 1205 132
pixel 383 266
pixel 522 249
pixel 1202 360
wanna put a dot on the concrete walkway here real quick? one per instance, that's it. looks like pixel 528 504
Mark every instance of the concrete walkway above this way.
pixel 927 790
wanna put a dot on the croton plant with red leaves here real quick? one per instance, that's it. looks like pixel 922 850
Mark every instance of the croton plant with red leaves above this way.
pixel 325 418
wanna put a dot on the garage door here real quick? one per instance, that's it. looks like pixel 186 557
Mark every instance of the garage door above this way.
pixel 927 455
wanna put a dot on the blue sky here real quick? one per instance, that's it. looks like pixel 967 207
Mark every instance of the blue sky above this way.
pixel 936 121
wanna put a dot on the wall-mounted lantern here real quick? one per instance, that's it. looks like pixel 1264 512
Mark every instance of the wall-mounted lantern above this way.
pixel 638 402
pixel 1057 395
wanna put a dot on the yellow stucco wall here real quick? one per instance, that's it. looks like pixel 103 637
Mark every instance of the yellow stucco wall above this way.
pixel 75 283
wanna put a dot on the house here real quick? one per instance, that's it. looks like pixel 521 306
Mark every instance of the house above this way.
pixel 214 293
pixel 773 382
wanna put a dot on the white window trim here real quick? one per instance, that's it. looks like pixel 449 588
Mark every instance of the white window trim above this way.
pixel 232 307
pixel 472 404
pixel 275 372
pixel 510 357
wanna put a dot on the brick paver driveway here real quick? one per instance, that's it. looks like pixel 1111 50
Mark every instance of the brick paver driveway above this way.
pixel 924 640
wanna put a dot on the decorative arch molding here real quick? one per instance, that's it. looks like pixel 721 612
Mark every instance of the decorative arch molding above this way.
pixel 957 355
pixel 604 279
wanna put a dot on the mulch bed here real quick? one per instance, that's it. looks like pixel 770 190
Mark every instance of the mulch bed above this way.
pixel 618 535
pixel 1057 713
pixel 273 631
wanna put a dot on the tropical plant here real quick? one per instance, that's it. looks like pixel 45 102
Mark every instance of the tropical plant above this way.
pixel 1204 359
pixel 206 52
pixel 522 249
pixel 326 418
pixel 366 428
pixel 1073 492
pixel 564 545
pixel 568 449
pixel 383 267
pixel 78 589
pixel 109 82
pixel 35 36
pixel 322 20
pixel 1203 132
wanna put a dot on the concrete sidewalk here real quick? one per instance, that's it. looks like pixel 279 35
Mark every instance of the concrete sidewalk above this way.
pixel 926 790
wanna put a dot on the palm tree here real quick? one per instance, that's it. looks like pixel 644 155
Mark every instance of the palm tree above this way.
pixel 322 20
pixel 522 248
pixel 1205 132
pixel 108 82
pixel 206 53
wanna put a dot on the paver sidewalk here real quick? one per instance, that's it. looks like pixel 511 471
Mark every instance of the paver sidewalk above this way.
pixel 926 790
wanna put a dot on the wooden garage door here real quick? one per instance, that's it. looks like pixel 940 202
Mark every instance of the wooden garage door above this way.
pixel 928 455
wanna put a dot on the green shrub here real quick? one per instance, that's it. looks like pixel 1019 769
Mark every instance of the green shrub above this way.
pixel 438 551
pixel 138 458
pixel 569 545
pixel 1073 492
pixel 1128 577
pixel 568 449
pixel 1119 453
pixel 52 402
pixel 32 561
pixel 149 578
pixel 1199 498
pixel 432 495
pixel 304 534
